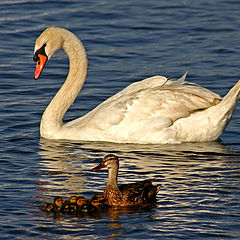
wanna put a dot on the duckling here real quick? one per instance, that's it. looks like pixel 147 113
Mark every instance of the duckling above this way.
pixel 139 193
pixel 53 207
pixel 58 202
pixel 47 207
pixel 82 204
pixel 73 199
pixel 99 197
pixel 97 201
pixel 84 208
pixel 70 206
pixel 96 205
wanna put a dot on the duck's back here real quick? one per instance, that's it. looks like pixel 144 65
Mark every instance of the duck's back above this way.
pixel 142 192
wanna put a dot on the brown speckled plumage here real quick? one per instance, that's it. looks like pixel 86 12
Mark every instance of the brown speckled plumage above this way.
pixel 142 192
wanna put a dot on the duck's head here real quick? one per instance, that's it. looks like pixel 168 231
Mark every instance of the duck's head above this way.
pixel 58 201
pixel 81 200
pixel 110 161
pixel 73 199
pixel 97 199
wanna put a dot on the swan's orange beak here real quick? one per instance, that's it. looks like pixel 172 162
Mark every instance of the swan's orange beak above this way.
pixel 41 61
pixel 100 166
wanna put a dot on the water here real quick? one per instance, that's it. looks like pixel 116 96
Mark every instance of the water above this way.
pixel 126 41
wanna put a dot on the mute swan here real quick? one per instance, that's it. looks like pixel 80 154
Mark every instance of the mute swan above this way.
pixel 154 110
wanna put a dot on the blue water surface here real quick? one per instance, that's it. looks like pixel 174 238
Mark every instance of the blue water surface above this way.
pixel 126 41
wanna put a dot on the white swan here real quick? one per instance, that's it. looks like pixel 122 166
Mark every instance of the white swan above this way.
pixel 154 110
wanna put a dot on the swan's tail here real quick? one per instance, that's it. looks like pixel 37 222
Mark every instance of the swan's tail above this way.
pixel 231 99
pixel 223 111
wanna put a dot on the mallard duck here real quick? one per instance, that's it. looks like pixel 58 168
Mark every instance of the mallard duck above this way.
pixel 56 206
pixel 132 194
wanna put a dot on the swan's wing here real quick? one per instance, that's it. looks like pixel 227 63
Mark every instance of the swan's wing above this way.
pixel 155 102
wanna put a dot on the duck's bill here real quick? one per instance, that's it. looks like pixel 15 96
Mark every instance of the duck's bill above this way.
pixel 40 65
pixel 100 166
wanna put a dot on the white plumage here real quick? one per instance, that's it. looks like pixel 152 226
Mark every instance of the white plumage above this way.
pixel 154 110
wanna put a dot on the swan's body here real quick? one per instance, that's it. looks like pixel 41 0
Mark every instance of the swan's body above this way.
pixel 154 110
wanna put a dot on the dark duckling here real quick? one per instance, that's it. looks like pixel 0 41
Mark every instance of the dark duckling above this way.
pixel 96 205
pixel 47 207
pixel 97 201
pixel 133 194
pixel 53 207
pixel 70 206
pixel 73 199
pixel 82 205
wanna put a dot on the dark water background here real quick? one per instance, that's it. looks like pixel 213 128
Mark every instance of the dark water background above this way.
pixel 126 41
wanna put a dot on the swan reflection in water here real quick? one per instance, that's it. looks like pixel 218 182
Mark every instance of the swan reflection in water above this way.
pixel 65 168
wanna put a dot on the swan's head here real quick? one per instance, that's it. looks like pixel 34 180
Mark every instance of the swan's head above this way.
pixel 110 161
pixel 46 45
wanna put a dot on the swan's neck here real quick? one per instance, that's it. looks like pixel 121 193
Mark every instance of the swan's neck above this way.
pixel 54 113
